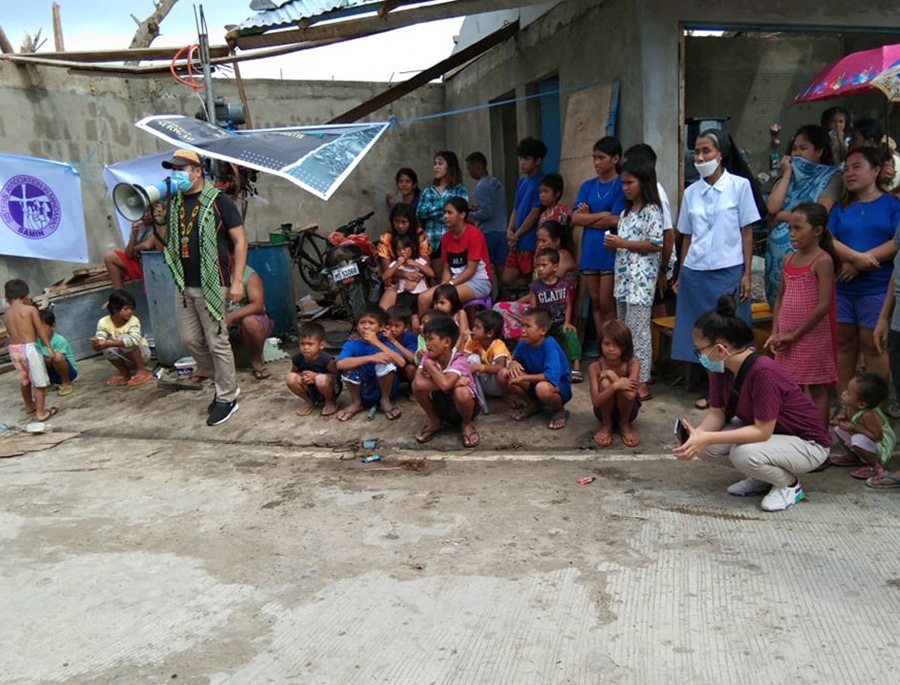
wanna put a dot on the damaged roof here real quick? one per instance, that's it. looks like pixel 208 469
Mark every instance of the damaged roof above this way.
pixel 273 14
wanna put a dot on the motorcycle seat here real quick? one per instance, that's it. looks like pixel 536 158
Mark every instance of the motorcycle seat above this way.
pixel 307 228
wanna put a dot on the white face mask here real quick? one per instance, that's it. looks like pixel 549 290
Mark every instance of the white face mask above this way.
pixel 706 169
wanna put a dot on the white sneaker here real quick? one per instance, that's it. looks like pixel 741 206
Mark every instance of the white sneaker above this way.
pixel 780 499
pixel 749 487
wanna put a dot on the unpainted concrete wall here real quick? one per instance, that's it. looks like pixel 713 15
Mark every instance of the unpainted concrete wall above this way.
pixel 753 81
pixel 584 42
pixel 88 120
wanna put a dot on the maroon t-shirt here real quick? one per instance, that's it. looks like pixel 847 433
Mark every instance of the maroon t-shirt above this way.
pixel 769 393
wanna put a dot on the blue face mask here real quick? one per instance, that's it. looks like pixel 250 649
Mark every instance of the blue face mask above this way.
pixel 182 180
pixel 710 365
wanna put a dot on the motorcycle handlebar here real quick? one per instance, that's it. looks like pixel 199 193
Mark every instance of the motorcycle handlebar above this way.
pixel 350 228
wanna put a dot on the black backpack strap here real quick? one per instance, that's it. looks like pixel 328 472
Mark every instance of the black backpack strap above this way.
pixel 738 383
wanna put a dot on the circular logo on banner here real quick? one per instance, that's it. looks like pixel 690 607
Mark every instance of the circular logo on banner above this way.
pixel 29 207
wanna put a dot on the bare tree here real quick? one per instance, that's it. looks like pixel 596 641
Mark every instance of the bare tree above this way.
pixel 148 29
pixel 33 43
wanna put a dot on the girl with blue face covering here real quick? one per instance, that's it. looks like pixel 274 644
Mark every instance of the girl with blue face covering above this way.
pixel 807 175
pixel 771 433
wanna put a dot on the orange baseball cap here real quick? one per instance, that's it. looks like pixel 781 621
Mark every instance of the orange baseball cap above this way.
pixel 181 158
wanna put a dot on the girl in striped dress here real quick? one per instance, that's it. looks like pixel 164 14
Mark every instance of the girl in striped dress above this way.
pixel 804 328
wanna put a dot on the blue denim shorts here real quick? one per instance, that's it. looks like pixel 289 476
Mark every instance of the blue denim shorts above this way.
pixel 861 310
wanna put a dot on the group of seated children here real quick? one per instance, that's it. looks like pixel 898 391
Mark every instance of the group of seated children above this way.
pixel 452 370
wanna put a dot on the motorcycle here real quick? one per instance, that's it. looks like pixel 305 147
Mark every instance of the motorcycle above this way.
pixel 343 264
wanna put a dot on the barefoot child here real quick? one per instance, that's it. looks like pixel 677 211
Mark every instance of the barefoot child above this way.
pixel 399 334
pixel 24 327
pixel 614 385
pixel 867 435
pixel 368 366
pixel 804 325
pixel 120 340
pixel 314 377
pixel 539 373
pixel 59 359
pixel 443 385
pixel 487 353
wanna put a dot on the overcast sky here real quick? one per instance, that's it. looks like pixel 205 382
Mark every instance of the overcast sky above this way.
pixel 107 24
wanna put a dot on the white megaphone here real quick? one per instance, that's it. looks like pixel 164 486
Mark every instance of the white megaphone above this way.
pixel 131 200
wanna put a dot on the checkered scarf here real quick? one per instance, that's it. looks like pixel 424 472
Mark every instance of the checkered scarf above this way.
pixel 209 254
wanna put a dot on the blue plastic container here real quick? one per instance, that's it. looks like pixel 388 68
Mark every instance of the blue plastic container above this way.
pixel 161 303
pixel 272 261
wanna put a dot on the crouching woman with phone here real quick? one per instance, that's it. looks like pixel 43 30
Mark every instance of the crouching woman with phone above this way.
pixel 758 418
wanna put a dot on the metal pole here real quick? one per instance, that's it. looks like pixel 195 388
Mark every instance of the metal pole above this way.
pixel 207 68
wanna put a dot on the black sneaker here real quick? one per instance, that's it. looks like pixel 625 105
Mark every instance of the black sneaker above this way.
pixel 221 412
pixel 212 405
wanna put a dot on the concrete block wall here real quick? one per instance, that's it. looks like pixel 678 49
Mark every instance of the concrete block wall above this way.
pixel 88 120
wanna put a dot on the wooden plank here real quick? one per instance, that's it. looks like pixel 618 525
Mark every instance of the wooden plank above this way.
pixel 423 77
pixel 125 54
pixel 367 26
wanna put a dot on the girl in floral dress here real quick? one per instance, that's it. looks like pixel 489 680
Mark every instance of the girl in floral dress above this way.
pixel 638 246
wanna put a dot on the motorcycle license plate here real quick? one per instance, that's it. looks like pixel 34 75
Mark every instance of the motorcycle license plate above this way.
pixel 344 272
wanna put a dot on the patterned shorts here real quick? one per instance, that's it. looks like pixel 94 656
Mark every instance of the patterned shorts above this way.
pixel 29 362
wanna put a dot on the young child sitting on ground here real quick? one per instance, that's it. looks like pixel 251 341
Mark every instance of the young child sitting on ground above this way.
pixel 444 386
pixel 539 373
pixel 368 366
pixel 120 340
pixel 398 333
pixel 614 385
pixel 59 359
pixel 868 435
pixel 487 353
pixel 314 377
pixel 24 327
pixel 446 300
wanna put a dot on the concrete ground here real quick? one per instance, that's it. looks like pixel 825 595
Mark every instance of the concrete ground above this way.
pixel 152 549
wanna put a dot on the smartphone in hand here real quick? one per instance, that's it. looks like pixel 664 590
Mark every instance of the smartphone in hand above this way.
pixel 681 432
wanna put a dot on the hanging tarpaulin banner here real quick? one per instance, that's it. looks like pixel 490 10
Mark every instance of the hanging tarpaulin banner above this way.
pixel 143 171
pixel 41 211
pixel 316 158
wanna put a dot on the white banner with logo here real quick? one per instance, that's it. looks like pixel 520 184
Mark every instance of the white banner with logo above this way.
pixel 143 171
pixel 41 211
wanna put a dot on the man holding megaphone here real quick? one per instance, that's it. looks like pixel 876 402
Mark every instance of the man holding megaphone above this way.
pixel 202 224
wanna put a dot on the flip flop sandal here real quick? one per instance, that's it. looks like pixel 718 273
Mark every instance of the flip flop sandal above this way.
pixel 577 376
pixel 845 460
pixel 631 441
pixel 605 441
pixel 866 472
pixel 306 410
pixel 393 414
pixel 647 397
pixel 884 481
pixel 702 403
pixel 261 374
pixel 135 381
pixel 51 412
pixel 427 434
pixel 113 381
pixel 471 439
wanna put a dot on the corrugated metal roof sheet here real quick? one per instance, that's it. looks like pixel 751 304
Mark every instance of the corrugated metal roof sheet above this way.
pixel 284 13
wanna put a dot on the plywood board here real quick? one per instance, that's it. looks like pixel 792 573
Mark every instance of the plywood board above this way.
pixel 587 112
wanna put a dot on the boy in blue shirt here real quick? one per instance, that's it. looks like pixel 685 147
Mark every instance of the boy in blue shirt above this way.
pixel 539 373
pixel 59 359
pixel 521 235
pixel 368 366
pixel 398 333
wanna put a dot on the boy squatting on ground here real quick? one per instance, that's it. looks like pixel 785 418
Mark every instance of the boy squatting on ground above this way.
pixel 24 327
pixel 314 375
pixel 539 373
pixel 443 385
pixel 368 366
pixel 120 340
pixel 59 359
